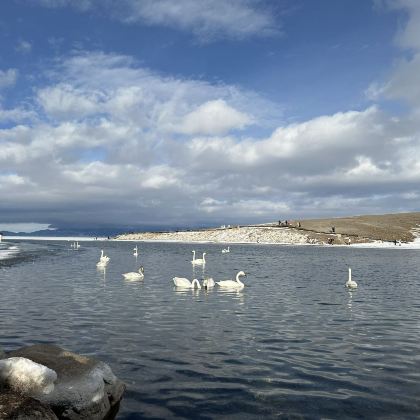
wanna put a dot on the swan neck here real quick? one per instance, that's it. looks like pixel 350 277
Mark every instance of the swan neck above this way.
pixel 237 279
pixel 349 274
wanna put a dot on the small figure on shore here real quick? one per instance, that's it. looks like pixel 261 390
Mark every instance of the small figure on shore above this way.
pixel 332 229
pixel 395 242
pixel 299 225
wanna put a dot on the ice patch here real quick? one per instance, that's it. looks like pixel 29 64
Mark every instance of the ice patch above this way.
pixel 25 376
pixel 7 252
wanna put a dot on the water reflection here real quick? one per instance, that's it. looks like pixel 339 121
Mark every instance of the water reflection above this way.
pixel 198 272
pixel 235 294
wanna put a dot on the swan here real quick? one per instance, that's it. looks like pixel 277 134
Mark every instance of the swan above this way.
pixel 185 283
pixel 101 264
pixel 226 250
pixel 104 257
pixel 77 245
pixel 134 275
pixel 232 284
pixel 351 284
pixel 198 261
pixel 208 283
pixel 136 251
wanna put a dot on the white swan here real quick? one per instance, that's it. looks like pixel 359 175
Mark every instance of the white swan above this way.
pixel 104 257
pixel 232 284
pixel 77 245
pixel 135 275
pixel 103 260
pixel 208 283
pixel 351 284
pixel 136 251
pixel 226 250
pixel 101 264
pixel 185 283
pixel 198 261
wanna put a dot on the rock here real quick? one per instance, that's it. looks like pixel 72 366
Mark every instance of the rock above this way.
pixel 26 377
pixel 85 388
pixel 14 406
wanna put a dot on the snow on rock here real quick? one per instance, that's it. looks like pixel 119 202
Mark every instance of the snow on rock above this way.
pixel 27 377
pixel 85 389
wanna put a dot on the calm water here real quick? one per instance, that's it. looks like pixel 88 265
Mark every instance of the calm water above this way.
pixel 294 343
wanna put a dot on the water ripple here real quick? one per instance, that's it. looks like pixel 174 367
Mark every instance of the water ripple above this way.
pixel 293 344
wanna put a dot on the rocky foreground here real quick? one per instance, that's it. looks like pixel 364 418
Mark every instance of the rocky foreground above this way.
pixel 47 382
pixel 402 227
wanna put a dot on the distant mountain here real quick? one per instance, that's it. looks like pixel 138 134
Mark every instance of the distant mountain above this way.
pixel 94 231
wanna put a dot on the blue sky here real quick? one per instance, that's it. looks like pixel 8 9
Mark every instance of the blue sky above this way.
pixel 143 112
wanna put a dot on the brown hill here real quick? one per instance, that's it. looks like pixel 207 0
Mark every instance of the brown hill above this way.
pixel 385 227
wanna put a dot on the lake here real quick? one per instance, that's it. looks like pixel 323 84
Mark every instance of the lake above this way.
pixel 293 343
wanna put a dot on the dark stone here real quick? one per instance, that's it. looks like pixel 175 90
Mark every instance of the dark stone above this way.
pixel 14 406
pixel 85 388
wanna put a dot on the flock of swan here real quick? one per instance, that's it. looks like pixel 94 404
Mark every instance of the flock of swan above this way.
pixel 184 283
pixel 208 283
pixel 133 275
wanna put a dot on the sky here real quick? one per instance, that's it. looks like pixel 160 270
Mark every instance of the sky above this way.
pixel 162 113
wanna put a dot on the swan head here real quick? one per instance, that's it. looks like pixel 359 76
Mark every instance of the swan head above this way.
pixel 241 273
pixel 141 269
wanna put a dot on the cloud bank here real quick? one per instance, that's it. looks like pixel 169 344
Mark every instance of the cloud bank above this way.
pixel 109 142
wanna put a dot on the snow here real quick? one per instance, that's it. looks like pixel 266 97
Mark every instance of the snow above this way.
pixel 25 376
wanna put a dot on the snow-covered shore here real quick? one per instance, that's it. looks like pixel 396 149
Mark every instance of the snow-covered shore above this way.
pixel 263 235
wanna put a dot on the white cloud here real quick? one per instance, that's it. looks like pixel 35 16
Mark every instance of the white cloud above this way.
pixel 23 46
pixel 66 101
pixel 15 114
pixel 214 118
pixel 105 133
pixel 409 34
pixel 23 227
pixel 207 19
pixel 404 81
pixel 8 77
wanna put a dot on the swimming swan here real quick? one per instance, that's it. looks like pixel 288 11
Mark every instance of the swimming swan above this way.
pixel 208 283
pixel 231 284
pixel 226 250
pixel 198 261
pixel 185 283
pixel 134 275
pixel 351 284
pixel 101 263
pixel 136 251
pixel 104 257
pixel 103 260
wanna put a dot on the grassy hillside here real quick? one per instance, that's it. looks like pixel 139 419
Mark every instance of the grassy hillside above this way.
pixel 386 227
